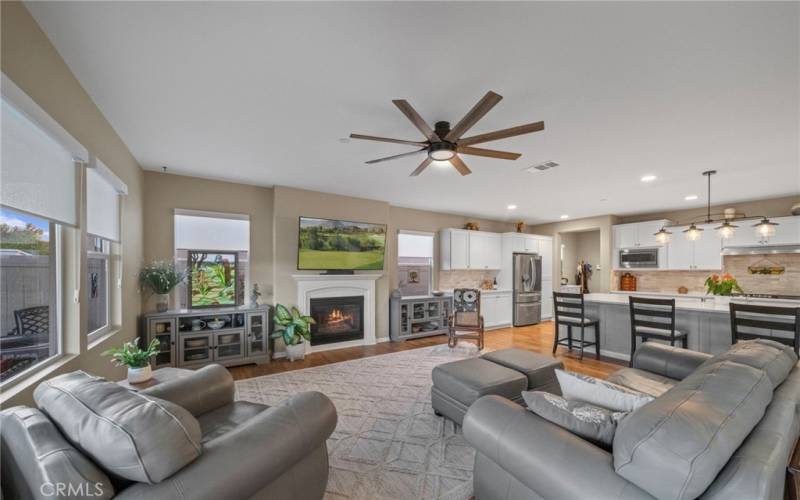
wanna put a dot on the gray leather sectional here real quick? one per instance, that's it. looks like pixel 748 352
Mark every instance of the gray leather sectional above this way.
pixel 720 427
pixel 186 438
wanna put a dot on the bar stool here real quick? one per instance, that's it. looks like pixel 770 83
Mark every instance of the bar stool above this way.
pixel 648 321
pixel 761 322
pixel 568 309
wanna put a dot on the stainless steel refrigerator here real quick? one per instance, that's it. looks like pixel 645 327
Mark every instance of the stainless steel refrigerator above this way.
pixel 527 289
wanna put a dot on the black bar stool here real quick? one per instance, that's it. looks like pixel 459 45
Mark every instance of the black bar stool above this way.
pixel 654 319
pixel 568 309
pixel 762 321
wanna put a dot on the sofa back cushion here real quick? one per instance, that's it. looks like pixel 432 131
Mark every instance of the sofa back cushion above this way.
pixel 39 463
pixel 674 447
pixel 130 435
pixel 773 357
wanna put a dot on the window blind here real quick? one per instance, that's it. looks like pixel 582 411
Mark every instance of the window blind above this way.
pixel 210 231
pixel 103 190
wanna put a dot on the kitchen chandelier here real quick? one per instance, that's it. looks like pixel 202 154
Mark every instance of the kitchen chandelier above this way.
pixel 765 229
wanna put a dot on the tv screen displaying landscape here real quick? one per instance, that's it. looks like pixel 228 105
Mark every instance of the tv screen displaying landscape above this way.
pixel 326 244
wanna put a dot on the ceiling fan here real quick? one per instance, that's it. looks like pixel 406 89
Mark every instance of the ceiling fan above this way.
pixel 445 144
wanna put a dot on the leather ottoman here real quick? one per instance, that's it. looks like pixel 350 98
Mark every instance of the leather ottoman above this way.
pixel 539 369
pixel 458 384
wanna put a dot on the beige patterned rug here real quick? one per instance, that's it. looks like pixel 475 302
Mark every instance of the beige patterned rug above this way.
pixel 388 444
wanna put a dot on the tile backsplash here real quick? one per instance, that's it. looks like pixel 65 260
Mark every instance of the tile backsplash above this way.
pixel 787 283
pixel 464 278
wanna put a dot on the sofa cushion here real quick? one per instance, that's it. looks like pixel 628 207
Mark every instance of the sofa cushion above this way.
pixel 36 455
pixel 466 380
pixel 130 435
pixel 775 358
pixel 576 386
pixel 226 418
pixel 590 422
pixel 674 447
pixel 649 383
pixel 538 368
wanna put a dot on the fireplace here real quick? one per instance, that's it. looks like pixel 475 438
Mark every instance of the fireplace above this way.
pixel 338 319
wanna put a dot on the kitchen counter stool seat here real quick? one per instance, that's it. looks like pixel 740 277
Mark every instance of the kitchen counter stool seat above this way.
pixel 568 310
pixel 654 319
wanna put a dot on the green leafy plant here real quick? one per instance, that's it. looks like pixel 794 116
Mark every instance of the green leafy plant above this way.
pixel 130 354
pixel 291 326
pixel 161 277
pixel 726 285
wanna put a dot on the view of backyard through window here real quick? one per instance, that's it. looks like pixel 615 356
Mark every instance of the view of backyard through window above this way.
pixel 97 264
pixel 28 330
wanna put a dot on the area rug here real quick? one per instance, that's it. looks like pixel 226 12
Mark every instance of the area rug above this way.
pixel 388 444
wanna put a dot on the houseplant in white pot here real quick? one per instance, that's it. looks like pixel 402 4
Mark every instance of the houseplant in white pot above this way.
pixel 294 329
pixel 135 358
pixel 161 278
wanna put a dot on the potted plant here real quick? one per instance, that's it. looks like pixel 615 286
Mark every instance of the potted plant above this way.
pixel 135 358
pixel 722 287
pixel 294 329
pixel 161 278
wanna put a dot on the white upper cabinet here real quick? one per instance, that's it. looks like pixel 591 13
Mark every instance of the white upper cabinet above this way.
pixel 453 249
pixel 531 244
pixel 462 249
pixel 702 254
pixel 637 234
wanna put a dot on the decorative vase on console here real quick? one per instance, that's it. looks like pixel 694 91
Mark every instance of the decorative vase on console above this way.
pixel 160 278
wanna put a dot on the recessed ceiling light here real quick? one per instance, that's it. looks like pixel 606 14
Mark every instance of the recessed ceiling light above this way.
pixel 565 216
pixel 648 178
pixel 512 207
pixel 690 197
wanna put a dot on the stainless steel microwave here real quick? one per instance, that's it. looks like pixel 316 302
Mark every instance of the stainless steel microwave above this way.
pixel 638 258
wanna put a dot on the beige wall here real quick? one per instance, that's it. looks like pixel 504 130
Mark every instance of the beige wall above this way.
pixel 35 66
pixel 568 264
pixel 773 207
pixel 588 250
pixel 163 193
pixel 603 223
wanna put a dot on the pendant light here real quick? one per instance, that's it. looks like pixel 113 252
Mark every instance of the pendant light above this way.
pixel 693 233
pixel 662 236
pixel 726 230
pixel 765 229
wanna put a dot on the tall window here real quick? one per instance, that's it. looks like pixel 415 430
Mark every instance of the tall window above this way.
pixel 214 248
pixel 38 202
pixel 415 263
pixel 103 191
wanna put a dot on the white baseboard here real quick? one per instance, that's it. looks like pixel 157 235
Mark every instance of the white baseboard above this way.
pixel 383 339
pixel 277 355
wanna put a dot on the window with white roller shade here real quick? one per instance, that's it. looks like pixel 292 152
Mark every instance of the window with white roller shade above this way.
pixel 211 232
pixel 103 190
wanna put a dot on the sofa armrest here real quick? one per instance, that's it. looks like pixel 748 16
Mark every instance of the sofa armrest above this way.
pixel 242 462
pixel 539 454
pixel 206 389
pixel 672 362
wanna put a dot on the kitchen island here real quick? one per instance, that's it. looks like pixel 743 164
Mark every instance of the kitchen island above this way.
pixel 706 319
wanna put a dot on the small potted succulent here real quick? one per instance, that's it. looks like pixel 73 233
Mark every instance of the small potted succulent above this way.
pixel 135 358
pixel 161 278
pixel 294 329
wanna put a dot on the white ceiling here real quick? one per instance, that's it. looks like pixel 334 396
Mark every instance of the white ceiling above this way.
pixel 262 92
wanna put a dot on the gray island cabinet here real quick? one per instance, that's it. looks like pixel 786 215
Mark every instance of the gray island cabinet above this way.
pixel 706 319
pixel 191 338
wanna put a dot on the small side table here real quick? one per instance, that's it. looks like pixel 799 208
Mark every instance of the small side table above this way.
pixel 159 377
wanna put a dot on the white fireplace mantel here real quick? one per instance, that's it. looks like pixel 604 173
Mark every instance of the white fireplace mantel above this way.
pixel 313 286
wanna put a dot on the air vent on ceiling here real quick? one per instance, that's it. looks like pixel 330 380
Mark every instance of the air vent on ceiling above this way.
pixel 542 167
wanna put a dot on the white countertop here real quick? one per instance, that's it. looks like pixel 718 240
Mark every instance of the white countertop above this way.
pixel 497 290
pixel 693 303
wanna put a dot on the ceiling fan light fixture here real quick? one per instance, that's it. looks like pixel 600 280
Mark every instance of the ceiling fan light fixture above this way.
pixel 441 151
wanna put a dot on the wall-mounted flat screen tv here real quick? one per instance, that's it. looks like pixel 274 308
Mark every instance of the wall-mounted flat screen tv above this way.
pixel 340 245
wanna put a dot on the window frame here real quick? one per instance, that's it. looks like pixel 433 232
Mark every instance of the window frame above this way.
pixel 432 265
pixel 111 291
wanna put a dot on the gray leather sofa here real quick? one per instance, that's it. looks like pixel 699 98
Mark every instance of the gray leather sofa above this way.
pixel 186 438
pixel 721 427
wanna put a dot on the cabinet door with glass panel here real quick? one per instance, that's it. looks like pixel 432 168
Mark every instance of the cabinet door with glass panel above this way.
pixel 257 338
pixel 164 331
pixel 196 348
pixel 228 345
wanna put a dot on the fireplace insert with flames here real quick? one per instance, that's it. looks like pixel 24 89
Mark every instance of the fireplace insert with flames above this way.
pixel 339 319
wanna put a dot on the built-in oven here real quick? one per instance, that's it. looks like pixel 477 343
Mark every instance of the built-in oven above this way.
pixel 638 258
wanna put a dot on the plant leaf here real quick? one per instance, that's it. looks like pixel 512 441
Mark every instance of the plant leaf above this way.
pixel 295 312
pixel 282 313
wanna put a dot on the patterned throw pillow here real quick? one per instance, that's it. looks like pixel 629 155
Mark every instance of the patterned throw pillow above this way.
pixel 575 386
pixel 592 423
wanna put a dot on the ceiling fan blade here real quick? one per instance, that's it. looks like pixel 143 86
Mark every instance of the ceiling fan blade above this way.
pixel 477 112
pixel 502 134
pixel 386 139
pixel 422 166
pixel 416 119
pixel 401 155
pixel 462 167
pixel 489 153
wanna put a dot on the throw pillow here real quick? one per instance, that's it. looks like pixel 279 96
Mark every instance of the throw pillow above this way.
pixel 600 392
pixel 590 422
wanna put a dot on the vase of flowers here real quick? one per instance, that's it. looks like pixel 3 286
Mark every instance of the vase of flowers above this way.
pixel 161 278
pixel 135 358
pixel 294 329
pixel 724 286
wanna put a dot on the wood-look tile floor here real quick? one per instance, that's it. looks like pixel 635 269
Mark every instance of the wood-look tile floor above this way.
pixel 536 338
